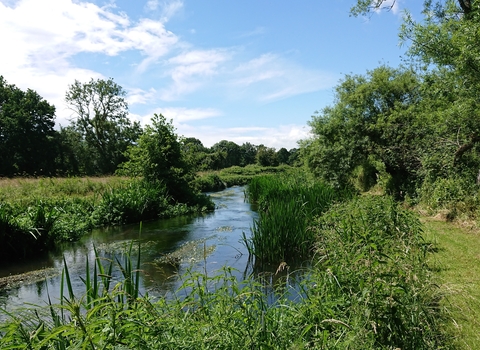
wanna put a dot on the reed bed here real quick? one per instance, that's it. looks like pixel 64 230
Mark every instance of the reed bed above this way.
pixel 287 205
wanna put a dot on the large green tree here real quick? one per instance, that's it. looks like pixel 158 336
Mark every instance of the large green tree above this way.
pixel 447 42
pixel 373 127
pixel 26 132
pixel 101 118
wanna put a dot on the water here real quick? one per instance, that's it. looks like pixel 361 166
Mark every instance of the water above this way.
pixel 169 247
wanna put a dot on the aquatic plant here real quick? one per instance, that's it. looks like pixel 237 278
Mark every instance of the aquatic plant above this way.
pixel 287 206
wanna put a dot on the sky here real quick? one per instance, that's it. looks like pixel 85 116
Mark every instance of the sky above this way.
pixel 238 70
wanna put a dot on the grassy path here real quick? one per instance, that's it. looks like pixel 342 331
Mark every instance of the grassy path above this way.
pixel 457 266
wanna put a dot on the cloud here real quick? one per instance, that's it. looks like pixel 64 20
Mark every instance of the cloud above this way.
pixel 271 77
pixel 256 32
pixel 190 70
pixel 170 9
pixel 140 96
pixel 181 114
pixel 390 5
pixel 44 38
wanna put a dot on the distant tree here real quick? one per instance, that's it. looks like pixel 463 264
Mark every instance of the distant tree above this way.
pixel 231 151
pixel 294 158
pixel 266 156
pixel 26 132
pixel 283 155
pixel 248 154
pixel 194 152
pixel 102 121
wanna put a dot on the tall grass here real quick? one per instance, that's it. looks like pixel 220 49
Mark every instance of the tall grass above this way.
pixel 354 298
pixel 287 205
pixel 30 225
pixel 374 252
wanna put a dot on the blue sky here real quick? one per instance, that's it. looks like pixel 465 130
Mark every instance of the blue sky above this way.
pixel 244 71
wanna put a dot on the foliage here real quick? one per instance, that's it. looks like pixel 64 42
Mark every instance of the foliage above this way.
pixel 137 201
pixel 158 157
pixel 287 205
pixel 375 252
pixel 373 124
pixel 102 123
pixel 26 132
pixel 71 207
pixel 351 299
pixel 266 156
pixel 234 176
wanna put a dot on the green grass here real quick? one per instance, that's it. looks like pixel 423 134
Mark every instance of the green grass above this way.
pixel 35 214
pixel 235 176
pixel 287 205
pixel 457 267
pixel 367 288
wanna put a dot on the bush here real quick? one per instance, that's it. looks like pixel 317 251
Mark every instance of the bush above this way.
pixel 374 252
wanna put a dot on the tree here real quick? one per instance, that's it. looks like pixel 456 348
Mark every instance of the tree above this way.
pixel 364 7
pixel 374 125
pixel 158 157
pixel 283 156
pixel 266 156
pixel 231 150
pixel 447 43
pixel 26 132
pixel 194 152
pixel 102 121
pixel 248 154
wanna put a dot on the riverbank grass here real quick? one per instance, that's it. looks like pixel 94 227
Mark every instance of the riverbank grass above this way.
pixel 36 214
pixel 457 266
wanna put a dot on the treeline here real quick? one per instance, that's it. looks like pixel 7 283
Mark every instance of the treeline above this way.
pixel 100 136
pixel 414 130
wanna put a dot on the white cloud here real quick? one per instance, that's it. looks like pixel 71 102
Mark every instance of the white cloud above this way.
pixel 282 136
pixel 390 5
pixel 270 77
pixel 181 114
pixel 191 69
pixel 45 36
pixel 139 96
pixel 170 9
pixel 152 5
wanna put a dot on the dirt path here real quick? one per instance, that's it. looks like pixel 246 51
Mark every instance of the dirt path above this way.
pixel 457 266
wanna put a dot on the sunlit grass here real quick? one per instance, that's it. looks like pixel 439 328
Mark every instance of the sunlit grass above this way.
pixel 457 265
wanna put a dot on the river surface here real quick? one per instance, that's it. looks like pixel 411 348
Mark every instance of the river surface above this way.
pixel 169 247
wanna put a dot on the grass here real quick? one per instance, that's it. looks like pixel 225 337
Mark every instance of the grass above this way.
pixel 235 176
pixel 287 205
pixel 457 266
pixel 35 214
pixel 367 288
pixel 22 190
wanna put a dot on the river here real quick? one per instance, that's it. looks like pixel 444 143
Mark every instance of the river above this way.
pixel 168 248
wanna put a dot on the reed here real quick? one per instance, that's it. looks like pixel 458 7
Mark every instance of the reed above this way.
pixel 287 206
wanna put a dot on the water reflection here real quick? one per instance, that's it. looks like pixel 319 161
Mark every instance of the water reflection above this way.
pixel 202 243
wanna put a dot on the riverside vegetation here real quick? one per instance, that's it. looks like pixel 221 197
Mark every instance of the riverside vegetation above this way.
pixel 368 286
pixel 35 215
